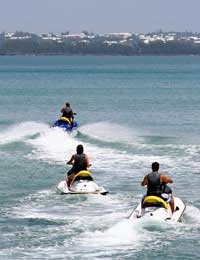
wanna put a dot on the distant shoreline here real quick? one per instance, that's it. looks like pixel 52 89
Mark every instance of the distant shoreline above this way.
pixel 114 44
pixel 100 55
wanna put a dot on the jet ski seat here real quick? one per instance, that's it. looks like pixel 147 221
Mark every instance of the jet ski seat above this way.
pixel 82 175
pixel 154 201
pixel 65 119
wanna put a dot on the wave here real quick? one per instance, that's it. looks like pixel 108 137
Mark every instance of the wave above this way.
pixel 109 132
pixel 122 234
pixel 55 145
pixel 20 131
pixel 192 215
pixel 110 147
pixel 122 137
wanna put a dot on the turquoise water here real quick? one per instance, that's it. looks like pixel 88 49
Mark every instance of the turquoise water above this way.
pixel 132 111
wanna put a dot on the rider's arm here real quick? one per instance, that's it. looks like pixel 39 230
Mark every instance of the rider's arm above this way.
pixel 73 113
pixel 87 161
pixel 164 178
pixel 62 109
pixel 145 181
pixel 71 160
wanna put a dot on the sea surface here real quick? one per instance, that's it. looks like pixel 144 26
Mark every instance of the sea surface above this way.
pixel 131 112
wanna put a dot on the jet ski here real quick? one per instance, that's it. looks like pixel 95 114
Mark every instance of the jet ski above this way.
pixel 157 208
pixel 65 123
pixel 82 183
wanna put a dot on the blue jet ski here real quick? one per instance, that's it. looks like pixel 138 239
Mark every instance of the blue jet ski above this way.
pixel 65 123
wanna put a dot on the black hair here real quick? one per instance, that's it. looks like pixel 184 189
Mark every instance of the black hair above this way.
pixel 155 166
pixel 79 149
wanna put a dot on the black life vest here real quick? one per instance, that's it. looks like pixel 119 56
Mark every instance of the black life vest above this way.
pixel 67 112
pixel 154 186
pixel 80 163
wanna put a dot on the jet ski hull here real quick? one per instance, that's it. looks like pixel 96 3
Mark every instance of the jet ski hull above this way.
pixel 81 187
pixel 162 213
pixel 65 124
pixel 82 183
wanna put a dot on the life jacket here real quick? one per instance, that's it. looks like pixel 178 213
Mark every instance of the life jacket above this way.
pixel 80 163
pixel 154 186
pixel 67 112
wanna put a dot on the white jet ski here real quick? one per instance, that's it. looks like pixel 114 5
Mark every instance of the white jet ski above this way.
pixel 156 208
pixel 82 183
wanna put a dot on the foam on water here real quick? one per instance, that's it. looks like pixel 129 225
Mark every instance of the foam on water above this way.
pixel 106 131
pixel 177 155
pixel 57 145
pixel 21 131
pixel 48 204
pixel 123 233
pixel 53 145
pixel 192 215
pixel 40 206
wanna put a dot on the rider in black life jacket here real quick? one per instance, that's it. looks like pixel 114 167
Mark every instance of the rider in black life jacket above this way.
pixel 79 161
pixel 68 112
pixel 156 183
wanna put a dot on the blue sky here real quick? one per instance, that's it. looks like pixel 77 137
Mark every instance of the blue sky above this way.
pixel 99 16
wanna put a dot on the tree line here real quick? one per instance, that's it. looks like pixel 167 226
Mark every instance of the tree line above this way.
pixel 98 46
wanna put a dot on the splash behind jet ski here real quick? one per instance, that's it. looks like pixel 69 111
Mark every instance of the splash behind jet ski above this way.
pixel 157 208
pixel 65 123
pixel 82 183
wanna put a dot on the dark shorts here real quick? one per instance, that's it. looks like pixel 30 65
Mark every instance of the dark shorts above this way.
pixel 74 170
pixel 71 171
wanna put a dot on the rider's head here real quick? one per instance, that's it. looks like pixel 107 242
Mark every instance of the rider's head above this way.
pixel 79 149
pixel 155 166
pixel 67 104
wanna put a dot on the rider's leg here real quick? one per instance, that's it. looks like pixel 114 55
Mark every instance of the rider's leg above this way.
pixel 172 203
pixel 69 178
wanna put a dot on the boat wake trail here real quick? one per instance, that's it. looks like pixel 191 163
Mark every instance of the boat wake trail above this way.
pixel 21 131
pixel 107 132
pixel 53 145
pixel 123 233
pixel 192 215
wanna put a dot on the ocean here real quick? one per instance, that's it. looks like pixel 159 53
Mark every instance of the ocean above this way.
pixel 131 112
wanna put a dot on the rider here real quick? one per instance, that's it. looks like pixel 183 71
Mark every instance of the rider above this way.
pixel 157 184
pixel 68 112
pixel 79 161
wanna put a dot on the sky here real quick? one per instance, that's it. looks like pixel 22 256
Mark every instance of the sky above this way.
pixel 99 16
